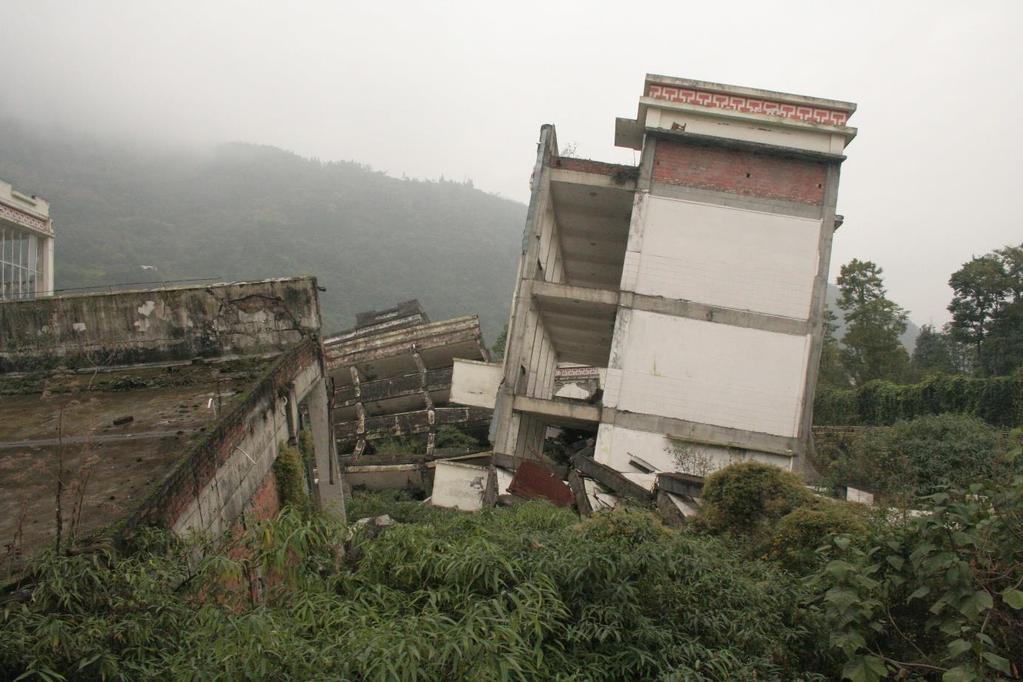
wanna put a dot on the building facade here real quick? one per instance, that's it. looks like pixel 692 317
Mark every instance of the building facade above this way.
pixel 694 281
pixel 26 245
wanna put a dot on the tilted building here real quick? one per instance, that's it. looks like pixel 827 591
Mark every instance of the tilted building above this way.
pixel 26 245
pixel 391 377
pixel 694 281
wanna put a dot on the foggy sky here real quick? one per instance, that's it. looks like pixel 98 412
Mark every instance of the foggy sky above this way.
pixel 461 89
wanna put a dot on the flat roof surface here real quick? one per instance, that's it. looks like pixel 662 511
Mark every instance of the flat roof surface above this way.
pixel 66 420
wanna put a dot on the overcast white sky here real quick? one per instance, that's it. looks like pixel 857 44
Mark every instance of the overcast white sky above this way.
pixel 460 89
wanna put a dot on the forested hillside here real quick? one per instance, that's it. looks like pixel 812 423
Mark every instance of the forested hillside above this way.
pixel 241 211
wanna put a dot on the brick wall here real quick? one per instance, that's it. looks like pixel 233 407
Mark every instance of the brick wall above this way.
pixel 740 172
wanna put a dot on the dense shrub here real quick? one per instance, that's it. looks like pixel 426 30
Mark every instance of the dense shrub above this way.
pixel 996 400
pixel 913 457
pixel 528 593
pixel 935 596
pixel 799 534
pixel 749 497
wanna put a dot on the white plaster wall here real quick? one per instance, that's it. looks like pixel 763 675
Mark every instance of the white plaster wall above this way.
pixel 727 257
pixel 710 373
pixel 475 383
pixel 616 446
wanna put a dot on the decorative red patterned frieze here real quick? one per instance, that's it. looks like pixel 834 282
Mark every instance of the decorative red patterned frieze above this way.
pixel 747 105
pixel 15 215
pixel 739 172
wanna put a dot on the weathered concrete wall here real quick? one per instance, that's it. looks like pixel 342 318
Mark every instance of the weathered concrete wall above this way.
pixel 709 373
pixel 475 383
pixel 158 325
pixel 224 475
pixel 623 448
pixel 724 256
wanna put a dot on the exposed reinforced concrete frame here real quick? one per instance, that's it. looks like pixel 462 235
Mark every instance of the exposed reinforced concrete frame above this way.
pixel 392 376
pixel 694 281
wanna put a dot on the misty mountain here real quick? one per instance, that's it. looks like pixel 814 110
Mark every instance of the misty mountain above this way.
pixel 242 211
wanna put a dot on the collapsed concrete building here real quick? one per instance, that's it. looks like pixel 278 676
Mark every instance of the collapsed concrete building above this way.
pixel 164 407
pixel 26 245
pixel 391 377
pixel 693 284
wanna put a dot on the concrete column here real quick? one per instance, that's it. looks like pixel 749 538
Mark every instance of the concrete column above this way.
pixel 431 437
pixel 329 489
pixel 47 278
pixel 360 412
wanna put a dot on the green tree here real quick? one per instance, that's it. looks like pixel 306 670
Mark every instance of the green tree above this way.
pixel 978 293
pixel 987 309
pixel 832 372
pixel 932 354
pixel 871 346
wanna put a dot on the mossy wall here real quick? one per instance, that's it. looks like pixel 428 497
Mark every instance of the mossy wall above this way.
pixel 181 323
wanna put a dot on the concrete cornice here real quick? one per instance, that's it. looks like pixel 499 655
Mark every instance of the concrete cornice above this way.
pixel 777 121
pixel 743 91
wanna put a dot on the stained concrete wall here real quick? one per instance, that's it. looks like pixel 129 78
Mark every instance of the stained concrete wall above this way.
pixel 723 256
pixel 218 480
pixel 179 323
pixel 709 373
pixel 623 449
pixel 475 383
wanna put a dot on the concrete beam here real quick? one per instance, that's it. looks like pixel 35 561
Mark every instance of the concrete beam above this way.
pixel 611 479
pixel 707 434
pixel 392 387
pixel 557 409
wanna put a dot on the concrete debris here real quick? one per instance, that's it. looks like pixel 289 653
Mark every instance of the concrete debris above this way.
pixel 615 481
pixel 458 486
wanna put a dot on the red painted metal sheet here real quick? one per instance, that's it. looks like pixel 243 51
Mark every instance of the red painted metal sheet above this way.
pixel 534 481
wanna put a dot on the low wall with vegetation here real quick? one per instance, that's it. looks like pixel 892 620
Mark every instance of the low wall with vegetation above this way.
pixel 997 400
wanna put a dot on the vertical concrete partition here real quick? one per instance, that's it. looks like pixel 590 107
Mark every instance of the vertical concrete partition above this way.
pixel 696 281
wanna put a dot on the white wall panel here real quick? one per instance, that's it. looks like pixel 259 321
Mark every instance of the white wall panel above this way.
pixel 712 373
pixel 728 257
pixel 617 447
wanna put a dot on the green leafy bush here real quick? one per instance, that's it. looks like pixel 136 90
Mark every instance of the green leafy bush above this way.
pixel 799 534
pixel 914 457
pixel 996 400
pixel 289 471
pixel 749 497
pixel 935 596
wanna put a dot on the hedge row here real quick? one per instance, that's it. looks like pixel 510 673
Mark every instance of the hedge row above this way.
pixel 998 401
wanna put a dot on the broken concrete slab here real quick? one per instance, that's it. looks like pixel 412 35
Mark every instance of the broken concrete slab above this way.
pixel 686 485
pixel 582 501
pixel 675 509
pixel 458 486
pixel 611 479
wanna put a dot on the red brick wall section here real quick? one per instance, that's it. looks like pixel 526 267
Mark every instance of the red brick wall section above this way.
pixel 739 172
pixel 264 503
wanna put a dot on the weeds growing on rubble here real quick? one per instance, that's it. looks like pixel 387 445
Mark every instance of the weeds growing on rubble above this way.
pixel 534 593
